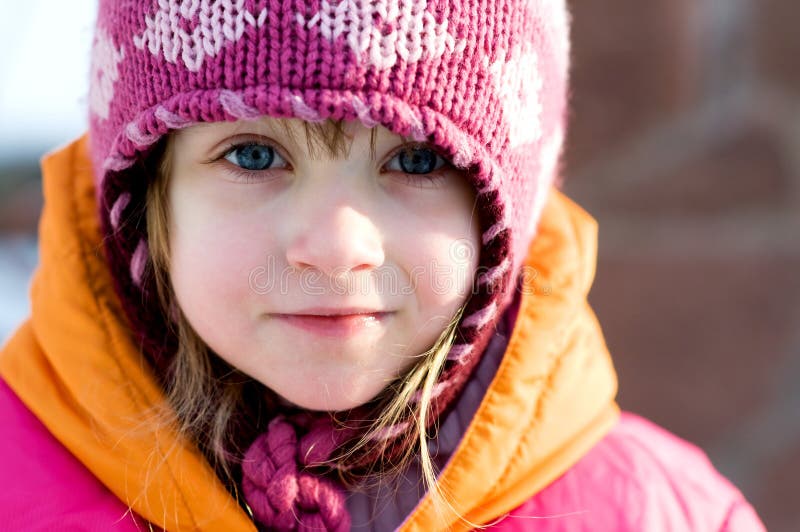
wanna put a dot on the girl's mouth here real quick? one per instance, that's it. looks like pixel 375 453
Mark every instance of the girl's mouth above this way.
pixel 339 325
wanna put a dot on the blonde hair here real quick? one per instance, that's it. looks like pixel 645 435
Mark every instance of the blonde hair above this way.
pixel 208 396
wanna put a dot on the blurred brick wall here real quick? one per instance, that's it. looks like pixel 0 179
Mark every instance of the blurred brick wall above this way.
pixel 685 145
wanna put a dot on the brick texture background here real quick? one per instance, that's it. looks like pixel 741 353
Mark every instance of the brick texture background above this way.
pixel 685 145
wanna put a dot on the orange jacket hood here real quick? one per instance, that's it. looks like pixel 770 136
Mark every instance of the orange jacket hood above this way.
pixel 74 364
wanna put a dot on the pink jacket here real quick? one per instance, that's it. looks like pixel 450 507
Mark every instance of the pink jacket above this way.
pixel 638 478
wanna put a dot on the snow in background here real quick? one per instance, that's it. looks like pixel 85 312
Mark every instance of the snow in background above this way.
pixel 44 73
pixel 18 258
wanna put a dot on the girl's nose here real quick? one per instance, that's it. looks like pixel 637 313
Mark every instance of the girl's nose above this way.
pixel 335 240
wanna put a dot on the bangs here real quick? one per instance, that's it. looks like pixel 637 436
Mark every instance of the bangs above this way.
pixel 328 138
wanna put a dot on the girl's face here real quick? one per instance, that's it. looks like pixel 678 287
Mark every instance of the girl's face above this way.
pixel 268 240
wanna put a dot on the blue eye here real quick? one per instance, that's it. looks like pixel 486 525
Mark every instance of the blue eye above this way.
pixel 416 160
pixel 253 157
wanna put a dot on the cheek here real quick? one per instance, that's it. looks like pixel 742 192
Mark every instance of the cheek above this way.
pixel 451 251
pixel 213 258
pixel 443 271
pixel 441 263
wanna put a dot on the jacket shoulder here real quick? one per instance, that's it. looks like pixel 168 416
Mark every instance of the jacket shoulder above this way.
pixel 46 487
pixel 638 477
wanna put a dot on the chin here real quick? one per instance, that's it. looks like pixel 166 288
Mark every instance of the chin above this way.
pixel 322 401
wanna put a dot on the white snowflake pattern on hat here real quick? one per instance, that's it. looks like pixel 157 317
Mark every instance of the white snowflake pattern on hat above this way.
pixel 382 32
pixel 221 23
pixel 104 73
pixel 518 82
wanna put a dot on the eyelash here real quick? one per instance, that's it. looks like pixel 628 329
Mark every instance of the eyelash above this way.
pixel 242 174
pixel 432 179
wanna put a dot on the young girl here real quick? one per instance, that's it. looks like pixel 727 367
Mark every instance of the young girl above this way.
pixel 309 270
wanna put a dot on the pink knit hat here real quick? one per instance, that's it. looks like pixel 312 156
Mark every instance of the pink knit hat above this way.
pixel 483 80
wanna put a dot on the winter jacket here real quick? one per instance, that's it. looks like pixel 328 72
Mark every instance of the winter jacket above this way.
pixel 546 449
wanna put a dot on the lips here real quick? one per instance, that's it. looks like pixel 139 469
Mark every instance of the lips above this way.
pixel 336 323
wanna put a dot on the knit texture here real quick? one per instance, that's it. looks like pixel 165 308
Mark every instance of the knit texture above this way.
pixel 279 492
pixel 485 81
